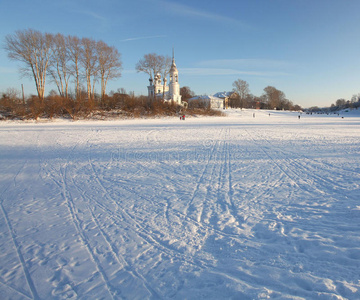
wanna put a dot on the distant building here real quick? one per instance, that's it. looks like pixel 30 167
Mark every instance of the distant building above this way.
pixel 206 101
pixel 160 89
pixel 227 97
pixel 156 87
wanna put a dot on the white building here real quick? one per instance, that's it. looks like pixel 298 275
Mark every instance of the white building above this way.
pixel 206 101
pixel 156 87
pixel 161 89
pixel 227 97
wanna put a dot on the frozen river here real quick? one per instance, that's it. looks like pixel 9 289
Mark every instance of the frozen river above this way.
pixel 237 207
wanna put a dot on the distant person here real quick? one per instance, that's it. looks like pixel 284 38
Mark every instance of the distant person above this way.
pixel 253 115
pixel 299 117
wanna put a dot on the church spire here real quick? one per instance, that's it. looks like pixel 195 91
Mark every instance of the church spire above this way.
pixel 173 68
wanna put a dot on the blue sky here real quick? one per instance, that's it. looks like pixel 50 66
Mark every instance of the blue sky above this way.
pixel 309 49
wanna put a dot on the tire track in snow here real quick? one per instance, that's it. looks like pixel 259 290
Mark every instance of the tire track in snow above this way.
pixel 206 193
pixel 15 290
pixel 122 217
pixel 120 259
pixel 203 182
pixel 204 226
pixel 13 181
pixel 223 159
pixel 82 235
pixel 212 196
pixel 63 185
pixel 138 229
pixel 230 191
pixel 14 178
pixel 25 269
pixel 147 235
pixel 218 203
pixel 274 161
pixel 284 164
pixel 244 205
pixel 225 191
pixel 296 168
pixel 110 244
pixel 13 235
pixel 313 161
pixel 252 207
pixel 216 172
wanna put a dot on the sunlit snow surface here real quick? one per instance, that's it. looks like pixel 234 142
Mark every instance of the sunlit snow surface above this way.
pixel 235 207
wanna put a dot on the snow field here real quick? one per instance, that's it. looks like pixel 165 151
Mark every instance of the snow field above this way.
pixel 229 207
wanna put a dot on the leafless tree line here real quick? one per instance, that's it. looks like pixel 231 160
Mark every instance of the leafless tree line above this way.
pixel 272 98
pixel 64 58
pixel 343 103
pixel 340 104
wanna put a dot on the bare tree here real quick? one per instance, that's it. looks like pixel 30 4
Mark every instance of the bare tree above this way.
pixel 32 48
pixel 89 62
pixel 62 58
pixel 186 93
pixel 355 98
pixel 109 64
pixel 75 51
pixel 151 64
pixel 340 102
pixel 274 97
pixel 59 64
pixel 241 87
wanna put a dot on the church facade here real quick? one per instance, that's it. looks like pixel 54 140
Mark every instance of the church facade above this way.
pixel 159 89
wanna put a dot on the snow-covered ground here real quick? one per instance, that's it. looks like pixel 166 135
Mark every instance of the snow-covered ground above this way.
pixel 238 207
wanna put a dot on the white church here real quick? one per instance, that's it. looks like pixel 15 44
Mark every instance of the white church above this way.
pixel 160 89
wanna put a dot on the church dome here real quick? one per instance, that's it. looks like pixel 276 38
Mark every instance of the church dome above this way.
pixel 173 67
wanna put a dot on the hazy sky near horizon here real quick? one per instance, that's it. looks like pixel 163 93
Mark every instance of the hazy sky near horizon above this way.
pixel 309 49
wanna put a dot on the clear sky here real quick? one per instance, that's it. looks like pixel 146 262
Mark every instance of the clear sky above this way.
pixel 309 49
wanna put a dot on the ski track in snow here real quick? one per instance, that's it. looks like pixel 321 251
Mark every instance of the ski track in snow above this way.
pixel 236 207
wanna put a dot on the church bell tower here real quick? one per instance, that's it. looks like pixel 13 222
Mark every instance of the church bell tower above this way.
pixel 174 87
